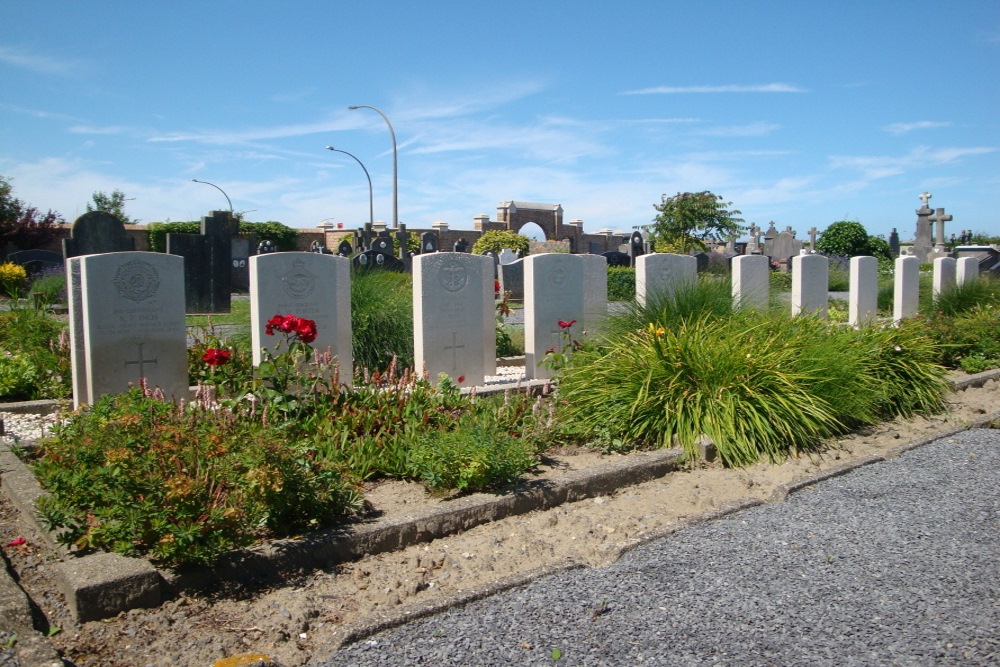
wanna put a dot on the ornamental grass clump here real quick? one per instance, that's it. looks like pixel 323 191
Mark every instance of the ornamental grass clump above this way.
pixel 759 385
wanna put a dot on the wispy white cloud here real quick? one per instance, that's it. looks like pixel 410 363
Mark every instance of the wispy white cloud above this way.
pixel 758 129
pixel 40 64
pixel 39 113
pixel 882 166
pixel 108 130
pixel 903 128
pixel 761 88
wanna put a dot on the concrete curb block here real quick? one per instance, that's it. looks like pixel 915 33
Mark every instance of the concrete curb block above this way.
pixel 976 380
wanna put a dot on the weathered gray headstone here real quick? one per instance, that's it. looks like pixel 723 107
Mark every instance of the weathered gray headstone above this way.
pixel 966 270
pixel 659 274
pixel 922 246
pixel 944 277
pixel 906 288
pixel 97 232
pixel 304 284
pixel 507 256
pixel 751 281
pixel 595 293
pixel 862 300
pixel 127 325
pixel 784 246
pixel 512 279
pixel 453 317
pixel 810 285
pixel 553 293
pixel 939 218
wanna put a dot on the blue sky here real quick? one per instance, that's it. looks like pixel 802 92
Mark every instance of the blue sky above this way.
pixel 801 112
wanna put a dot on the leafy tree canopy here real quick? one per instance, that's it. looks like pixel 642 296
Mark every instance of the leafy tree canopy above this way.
pixel 498 239
pixel 849 238
pixel 688 219
pixel 22 225
pixel 113 203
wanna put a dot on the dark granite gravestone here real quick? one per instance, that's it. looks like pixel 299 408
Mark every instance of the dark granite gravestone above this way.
pixel 894 243
pixel 636 248
pixel 36 261
pixel 207 263
pixel 345 249
pixel 428 242
pixel 266 247
pixel 701 261
pixel 97 232
pixel 461 245
pixel 616 258
pixel 376 260
pixel 512 279
pixel 382 244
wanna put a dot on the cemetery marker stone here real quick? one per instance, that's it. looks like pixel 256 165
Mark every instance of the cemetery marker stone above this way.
pixel 553 292
pixel 127 324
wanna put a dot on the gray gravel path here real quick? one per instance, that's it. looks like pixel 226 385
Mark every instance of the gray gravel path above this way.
pixel 893 564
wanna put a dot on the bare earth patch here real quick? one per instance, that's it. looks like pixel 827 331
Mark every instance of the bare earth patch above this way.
pixel 305 620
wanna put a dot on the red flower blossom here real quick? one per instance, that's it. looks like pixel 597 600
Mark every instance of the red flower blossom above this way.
pixel 496 286
pixel 563 324
pixel 16 542
pixel 461 379
pixel 216 356
pixel 305 330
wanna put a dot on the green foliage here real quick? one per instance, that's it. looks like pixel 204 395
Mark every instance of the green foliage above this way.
pixel 982 292
pixel 140 476
pixel 498 239
pixel 850 239
pixel 283 237
pixel 381 319
pixel 686 220
pixel 779 282
pixel 50 288
pixel 113 203
pixel 621 283
pixel 839 279
pixel 35 359
pixel 969 340
pixel 758 384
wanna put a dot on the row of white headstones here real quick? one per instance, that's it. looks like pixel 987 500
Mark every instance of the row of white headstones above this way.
pixel 127 308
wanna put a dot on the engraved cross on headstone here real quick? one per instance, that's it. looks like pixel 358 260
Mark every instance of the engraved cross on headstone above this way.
pixel 940 218
pixel 454 347
pixel 140 362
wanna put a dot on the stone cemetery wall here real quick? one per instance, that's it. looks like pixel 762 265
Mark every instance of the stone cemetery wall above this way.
pixel 309 285
pixel 127 324
pixel 453 317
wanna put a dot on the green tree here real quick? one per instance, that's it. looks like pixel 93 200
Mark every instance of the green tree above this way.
pixel 498 239
pixel 22 225
pixel 113 203
pixel 849 238
pixel 688 219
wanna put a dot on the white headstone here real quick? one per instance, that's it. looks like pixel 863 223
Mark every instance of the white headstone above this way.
pixel 862 300
pixel 127 323
pixel 945 269
pixel 595 292
pixel 453 317
pixel 553 292
pixel 507 256
pixel 810 284
pixel 906 288
pixel 661 273
pixel 966 270
pixel 751 281
pixel 304 284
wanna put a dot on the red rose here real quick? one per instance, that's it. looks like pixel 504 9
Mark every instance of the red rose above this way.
pixel 216 356
pixel 289 324
pixel 306 330
pixel 273 324
pixel 563 324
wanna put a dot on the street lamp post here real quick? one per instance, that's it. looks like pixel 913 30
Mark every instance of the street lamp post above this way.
pixel 395 180
pixel 371 207
pixel 220 190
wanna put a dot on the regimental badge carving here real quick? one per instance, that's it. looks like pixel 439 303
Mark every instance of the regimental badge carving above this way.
pixel 453 276
pixel 136 280
pixel 558 276
pixel 298 283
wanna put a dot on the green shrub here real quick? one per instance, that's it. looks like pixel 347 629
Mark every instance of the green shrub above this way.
pixel 498 239
pixel 50 288
pixel 970 340
pixel 839 280
pixel 984 291
pixel 36 361
pixel 780 282
pixel 621 283
pixel 140 476
pixel 283 237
